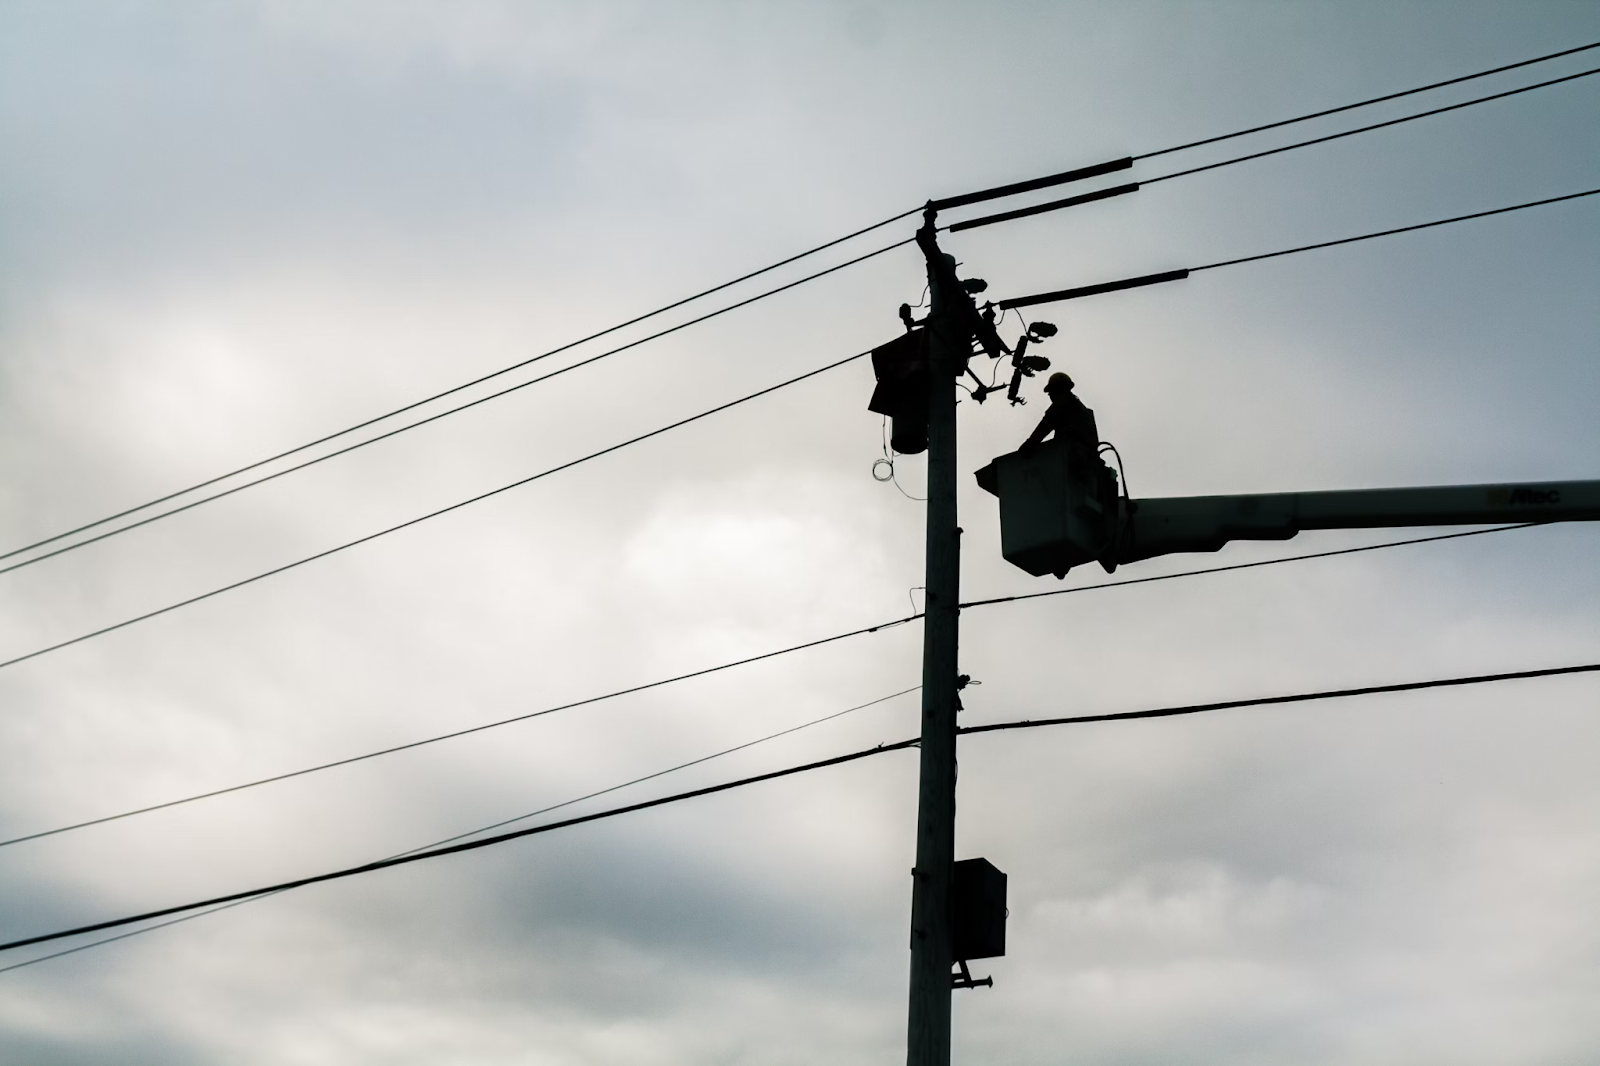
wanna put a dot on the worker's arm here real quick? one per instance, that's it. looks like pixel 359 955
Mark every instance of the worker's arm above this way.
pixel 1046 424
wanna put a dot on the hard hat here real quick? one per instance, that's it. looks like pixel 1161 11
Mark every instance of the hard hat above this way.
pixel 1056 381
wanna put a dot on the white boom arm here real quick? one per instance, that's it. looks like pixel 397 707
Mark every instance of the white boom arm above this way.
pixel 1206 523
pixel 1059 509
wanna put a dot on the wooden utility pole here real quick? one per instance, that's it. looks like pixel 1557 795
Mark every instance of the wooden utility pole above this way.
pixel 928 1030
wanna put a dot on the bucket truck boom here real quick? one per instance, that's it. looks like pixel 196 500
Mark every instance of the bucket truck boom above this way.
pixel 1059 509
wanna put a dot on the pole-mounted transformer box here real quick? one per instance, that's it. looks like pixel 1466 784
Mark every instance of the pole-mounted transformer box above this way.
pixel 901 367
pixel 978 911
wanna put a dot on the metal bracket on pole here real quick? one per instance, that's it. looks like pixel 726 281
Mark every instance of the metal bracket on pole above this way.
pixel 965 979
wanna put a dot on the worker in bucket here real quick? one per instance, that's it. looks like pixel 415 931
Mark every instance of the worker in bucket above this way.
pixel 1067 417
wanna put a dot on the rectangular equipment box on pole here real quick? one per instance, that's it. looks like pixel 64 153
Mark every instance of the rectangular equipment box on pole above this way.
pixel 978 903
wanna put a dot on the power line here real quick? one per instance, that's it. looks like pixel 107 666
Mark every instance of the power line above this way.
pixel 487 828
pixel 451 735
pixel 473 845
pixel 477 381
pixel 998 726
pixel 1374 126
pixel 743 662
pixel 452 849
pixel 434 417
pixel 1401 229
pixel 1007 190
pixel 668 770
pixel 1298 697
pixel 1180 274
pixel 1373 100
pixel 1249 566
pixel 1126 162
pixel 1120 190
pixel 1025 301
pixel 431 514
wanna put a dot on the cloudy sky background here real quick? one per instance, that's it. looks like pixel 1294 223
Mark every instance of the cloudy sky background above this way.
pixel 228 228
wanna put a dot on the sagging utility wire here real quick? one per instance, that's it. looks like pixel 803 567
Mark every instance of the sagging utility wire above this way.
pixel 1374 126
pixel 454 734
pixel 423 518
pixel 464 385
pixel 1135 186
pixel 1120 190
pixel 1007 190
pixel 838 760
pixel 1180 274
pixel 1126 162
pixel 495 825
pixel 419 422
pixel 1373 100
pixel 743 662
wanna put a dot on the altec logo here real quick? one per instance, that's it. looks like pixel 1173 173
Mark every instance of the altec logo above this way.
pixel 1523 497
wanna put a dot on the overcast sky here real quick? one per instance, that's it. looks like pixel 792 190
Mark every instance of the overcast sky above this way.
pixel 227 228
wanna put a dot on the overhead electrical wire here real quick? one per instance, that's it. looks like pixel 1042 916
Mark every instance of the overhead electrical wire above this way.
pixel 1183 272
pixel 1374 126
pixel 487 377
pixel 998 726
pixel 1089 290
pixel 743 662
pixel 1297 697
pixel 837 760
pixel 452 849
pixel 437 416
pixel 1007 190
pixel 669 770
pixel 1368 102
pixel 1119 190
pixel 468 731
pixel 1250 565
pixel 1399 229
pixel 714 410
pixel 495 825
pixel 1126 162
pixel 431 514
pixel 1025 301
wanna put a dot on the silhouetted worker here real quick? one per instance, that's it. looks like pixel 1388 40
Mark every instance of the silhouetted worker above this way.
pixel 1067 417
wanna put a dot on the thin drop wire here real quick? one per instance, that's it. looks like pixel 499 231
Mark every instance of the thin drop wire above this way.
pixel 895 477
